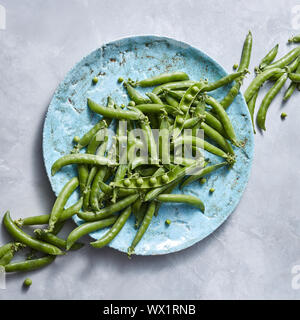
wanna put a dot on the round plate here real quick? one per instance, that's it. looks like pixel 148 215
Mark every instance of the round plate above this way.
pixel 138 58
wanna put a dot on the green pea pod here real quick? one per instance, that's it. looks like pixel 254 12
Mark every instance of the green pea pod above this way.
pixel 262 112
pixel 182 198
pixel 24 238
pixel 87 228
pixel 61 201
pixel 285 60
pixel 29 265
pixel 114 231
pixel 184 105
pixel 294 77
pixel 244 64
pixel 109 210
pixel 11 246
pixel 135 95
pixel 113 113
pixel 270 56
pixel 225 80
pixel 260 80
pixel 217 137
pixel 80 159
pixel 219 110
pixel 143 227
pixel 163 78
pixel 56 241
pixel 174 86
pixel 154 98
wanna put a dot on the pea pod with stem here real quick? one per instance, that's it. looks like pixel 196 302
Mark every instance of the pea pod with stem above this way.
pixel 225 80
pixel 80 159
pixel 56 241
pixel 244 64
pixel 87 228
pixel 44 218
pixel 292 86
pixel 61 201
pixel 11 246
pixel 262 112
pixel 115 229
pixel 182 198
pixel 113 113
pixel 143 227
pixel 135 95
pixel 26 239
pixel 270 56
pixel 109 210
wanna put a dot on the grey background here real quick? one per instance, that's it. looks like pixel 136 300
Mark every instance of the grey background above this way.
pixel 248 257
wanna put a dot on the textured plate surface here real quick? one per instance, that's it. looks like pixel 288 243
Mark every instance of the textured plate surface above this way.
pixel 138 58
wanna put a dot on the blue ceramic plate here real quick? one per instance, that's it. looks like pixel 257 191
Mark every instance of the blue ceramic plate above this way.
pixel 138 58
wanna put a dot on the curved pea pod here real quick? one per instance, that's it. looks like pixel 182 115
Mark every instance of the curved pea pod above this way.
pixel 135 95
pixel 182 198
pixel 270 56
pixel 26 239
pixel 61 201
pixel 174 86
pixel 285 60
pixel 109 210
pixel 113 113
pixel 115 229
pixel 80 159
pixel 224 118
pixel 154 98
pixel 163 78
pixel 87 228
pixel 260 80
pixel 262 112
pixel 29 265
pixel 184 105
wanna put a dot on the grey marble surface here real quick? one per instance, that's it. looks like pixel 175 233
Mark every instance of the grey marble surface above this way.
pixel 251 255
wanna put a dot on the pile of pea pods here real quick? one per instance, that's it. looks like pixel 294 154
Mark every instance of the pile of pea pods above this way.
pixel 279 71
pixel 115 185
